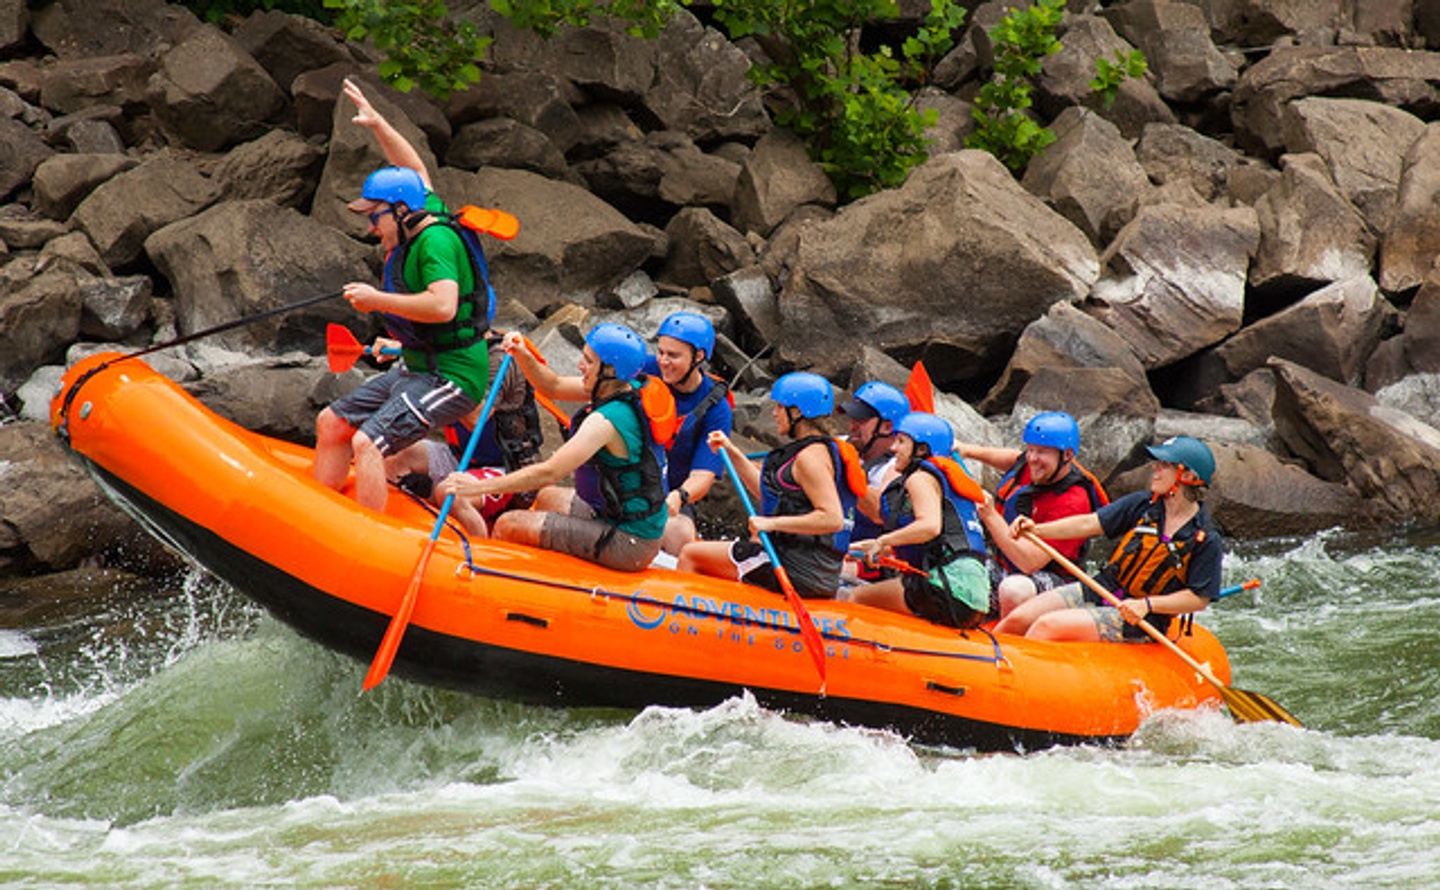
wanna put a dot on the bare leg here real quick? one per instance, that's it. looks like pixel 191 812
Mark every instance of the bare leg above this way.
pixel 520 526
pixel 1066 625
pixel 370 487
pixel 553 499
pixel 707 558
pixel 410 459
pixel 888 594
pixel 679 531
pixel 1020 620
pixel 332 449
pixel 1015 591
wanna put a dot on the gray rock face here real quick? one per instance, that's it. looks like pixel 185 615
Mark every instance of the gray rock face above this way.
pixel 1344 434
pixel 1364 143
pixel 73 85
pixel 1417 349
pixel 1309 231
pixel 702 248
pixel 1175 279
pixel 14 22
pixel 1257 495
pixel 778 177
pixel 287 46
pixel 1064 337
pixel 570 243
pixel 501 142
pixel 1088 174
pixel 21 151
pixel 950 293
pixel 1176 41
pixel 749 297
pixel 1412 242
pixel 39 317
pixel 211 94
pixel 277 396
pixel 114 308
pixel 1175 153
pixel 1115 411
pixel 63 181
pixel 1397 77
pixel 120 214
pixel 1065 78
pixel 279 167
pixel 81 28
pixel 700 85
pixel 243 257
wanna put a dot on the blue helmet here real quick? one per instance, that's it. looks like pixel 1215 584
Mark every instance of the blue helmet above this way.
pixel 810 393
pixel 619 347
pixel 692 328
pixel 395 185
pixel 928 430
pixel 887 401
pixel 1053 429
pixel 1188 452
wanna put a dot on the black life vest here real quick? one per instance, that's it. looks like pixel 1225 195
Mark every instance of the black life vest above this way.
pixel 517 431
pixel 473 313
pixel 781 498
pixel 640 479
pixel 1144 564
pixel 956 536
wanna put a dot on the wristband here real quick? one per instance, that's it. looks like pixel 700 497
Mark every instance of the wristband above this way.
pixel 684 495
pixel 1149 609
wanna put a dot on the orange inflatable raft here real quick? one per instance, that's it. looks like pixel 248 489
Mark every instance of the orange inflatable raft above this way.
pixel 504 620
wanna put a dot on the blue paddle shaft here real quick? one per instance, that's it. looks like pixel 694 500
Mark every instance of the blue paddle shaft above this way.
pixel 749 507
pixel 474 440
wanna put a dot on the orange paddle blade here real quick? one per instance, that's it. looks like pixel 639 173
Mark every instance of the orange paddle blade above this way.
pixel 496 223
pixel 342 350
pixel 920 390
pixel 814 644
pixel 395 632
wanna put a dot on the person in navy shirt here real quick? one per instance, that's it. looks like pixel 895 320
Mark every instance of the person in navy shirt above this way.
pixel 1166 563
pixel 684 344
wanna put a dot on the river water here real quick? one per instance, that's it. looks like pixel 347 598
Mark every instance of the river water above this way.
pixel 181 737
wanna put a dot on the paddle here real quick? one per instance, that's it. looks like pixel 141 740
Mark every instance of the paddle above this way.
pixel 808 633
pixel 1245 706
pixel 390 643
pixel 342 350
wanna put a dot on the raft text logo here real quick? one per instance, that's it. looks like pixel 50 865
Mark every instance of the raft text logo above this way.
pixel 687 613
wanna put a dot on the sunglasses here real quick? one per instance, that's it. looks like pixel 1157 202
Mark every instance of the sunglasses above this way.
pixel 379 215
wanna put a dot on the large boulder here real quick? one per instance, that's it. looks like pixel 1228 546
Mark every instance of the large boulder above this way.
pixel 1064 337
pixel 1176 42
pixel 1262 22
pixel 571 243
pixel 1416 350
pixel 21 152
pixel 287 46
pixel 950 267
pixel 53 514
pixel 39 317
pixel 279 167
pixel 502 142
pixel 1397 77
pixel 1175 279
pixel 87 28
pixel 243 257
pixel 210 94
pixel 14 23
pixel 1332 332
pixel 653 176
pixel 1088 174
pixel 74 85
pixel 1310 233
pixel 62 181
pixel 121 213
pixel 1412 242
pixel 701 85
pixel 703 248
pixel 1364 143
pixel 1065 79
pixel 776 178
pixel 276 396
pixel 1174 153
pixel 1345 435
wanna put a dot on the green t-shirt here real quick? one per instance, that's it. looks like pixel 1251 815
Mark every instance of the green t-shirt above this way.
pixel 438 254
pixel 627 423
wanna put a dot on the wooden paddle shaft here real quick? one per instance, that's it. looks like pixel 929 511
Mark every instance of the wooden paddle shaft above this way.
pixel 1112 599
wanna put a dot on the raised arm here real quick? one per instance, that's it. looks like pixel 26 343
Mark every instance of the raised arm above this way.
pixel 396 148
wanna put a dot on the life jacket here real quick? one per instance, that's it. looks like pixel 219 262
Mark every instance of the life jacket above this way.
pixel 779 497
pixel 641 478
pixel 1144 563
pixel 514 430
pixel 1017 499
pixel 720 390
pixel 960 528
pixel 475 310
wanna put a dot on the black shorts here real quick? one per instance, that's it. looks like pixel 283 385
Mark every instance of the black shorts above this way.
pixel 752 565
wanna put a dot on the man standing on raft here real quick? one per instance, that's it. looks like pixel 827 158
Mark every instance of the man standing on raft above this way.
pixel 432 302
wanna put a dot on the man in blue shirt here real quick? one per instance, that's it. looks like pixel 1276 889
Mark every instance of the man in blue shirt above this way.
pixel 684 344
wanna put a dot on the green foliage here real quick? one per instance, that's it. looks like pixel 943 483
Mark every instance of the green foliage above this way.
pixel 1022 40
pixel 422 45
pixel 215 11
pixel 1109 75
pixel 544 17
pixel 854 109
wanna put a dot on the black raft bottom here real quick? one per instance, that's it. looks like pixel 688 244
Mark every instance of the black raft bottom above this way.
pixel 495 671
